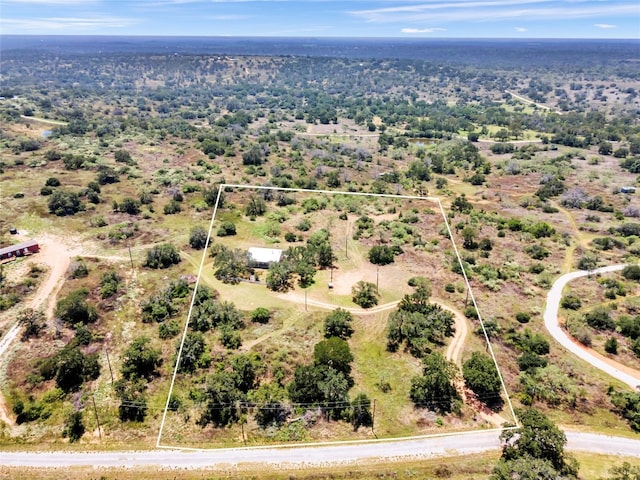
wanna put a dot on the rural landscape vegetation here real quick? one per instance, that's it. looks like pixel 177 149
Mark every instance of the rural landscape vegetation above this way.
pixel 421 211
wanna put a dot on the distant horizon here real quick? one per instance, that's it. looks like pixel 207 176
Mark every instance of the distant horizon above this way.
pixel 318 37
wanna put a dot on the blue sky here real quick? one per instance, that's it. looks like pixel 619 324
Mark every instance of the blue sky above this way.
pixel 326 18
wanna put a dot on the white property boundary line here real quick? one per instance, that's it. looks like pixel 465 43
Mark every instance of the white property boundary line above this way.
pixel 221 188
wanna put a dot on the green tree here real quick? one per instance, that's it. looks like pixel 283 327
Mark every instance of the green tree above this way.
pixel 381 255
pixel 162 256
pixel 304 388
pixel 361 411
pixel 269 404
pixel 256 206
pixel 231 265
pixel 74 308
pixel 338 324
pixel 194 353
pixel 260 315
pixel 626 471
pixel 537 440
pixel 279 277
pixel 365 294
pixel 62 203
pixel 72 368
pixel 133 402
pixel 226 229
pixel 141 360
pixel 222 400
pixel 109 283
pixel 435 388
pixel 198 237
pixel 481 375
pixel 74 427
pixel 33 322
pixel 130 206
pixel 123 156
pixel 631 272
pixel 334 352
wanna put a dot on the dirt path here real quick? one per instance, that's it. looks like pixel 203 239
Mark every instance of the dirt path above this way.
pixel 44 120
pixel 456 345
pixel 617 370
pixel 531 102
pixel 56 254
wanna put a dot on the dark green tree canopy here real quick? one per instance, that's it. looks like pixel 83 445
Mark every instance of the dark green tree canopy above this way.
pixel 537 439
pixel 481 375
pixel 338 324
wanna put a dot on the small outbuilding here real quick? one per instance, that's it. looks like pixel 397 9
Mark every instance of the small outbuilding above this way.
pixel 19 250
pixel 263 257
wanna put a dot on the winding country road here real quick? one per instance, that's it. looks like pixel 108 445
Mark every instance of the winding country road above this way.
pixel 624 374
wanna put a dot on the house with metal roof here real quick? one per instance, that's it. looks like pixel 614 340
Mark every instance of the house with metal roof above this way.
pixel 263 257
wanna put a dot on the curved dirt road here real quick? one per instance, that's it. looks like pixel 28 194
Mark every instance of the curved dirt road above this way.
pixel 627 375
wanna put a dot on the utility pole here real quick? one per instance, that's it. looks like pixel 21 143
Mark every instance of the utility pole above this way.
pixel 95 410
pixel 109 363
pixel 130 256
pixel 373 417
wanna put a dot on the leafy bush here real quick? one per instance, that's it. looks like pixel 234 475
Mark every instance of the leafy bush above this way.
pixel 338 324
pixel 226 228
pixel 435 389
pixel 62 203
pixel 365 294
pixel 172 207
pixel 74 309
pixel 198 237
pixel 260 315
pixel 74 427
pixel 481 375
pixel 571 302
pixel 140 360
pixel 109 283
pixel 600 319
pixel 162 256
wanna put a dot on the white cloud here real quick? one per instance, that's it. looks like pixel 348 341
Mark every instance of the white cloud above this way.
pixel 66 23
pixel 521 29
pixel 494 10
pixel 604 25
pixel 423 30
pixel 52 2
pixel 228 17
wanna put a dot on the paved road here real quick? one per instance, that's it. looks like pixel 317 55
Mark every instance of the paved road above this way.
pixel 413 449
pixel 552 325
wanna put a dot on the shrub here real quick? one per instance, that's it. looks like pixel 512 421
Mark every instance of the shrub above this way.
pixel 162 256
pixel 365 294
pixel 198 237
pixel 523 317
pixel 571 302
pixel 62 203
pixel 631 272
pixel 260 315
pixel 611 345
pixel 226 228
pixel 338 324
pixel 74 427
pixel 172 207
pixel 599 319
